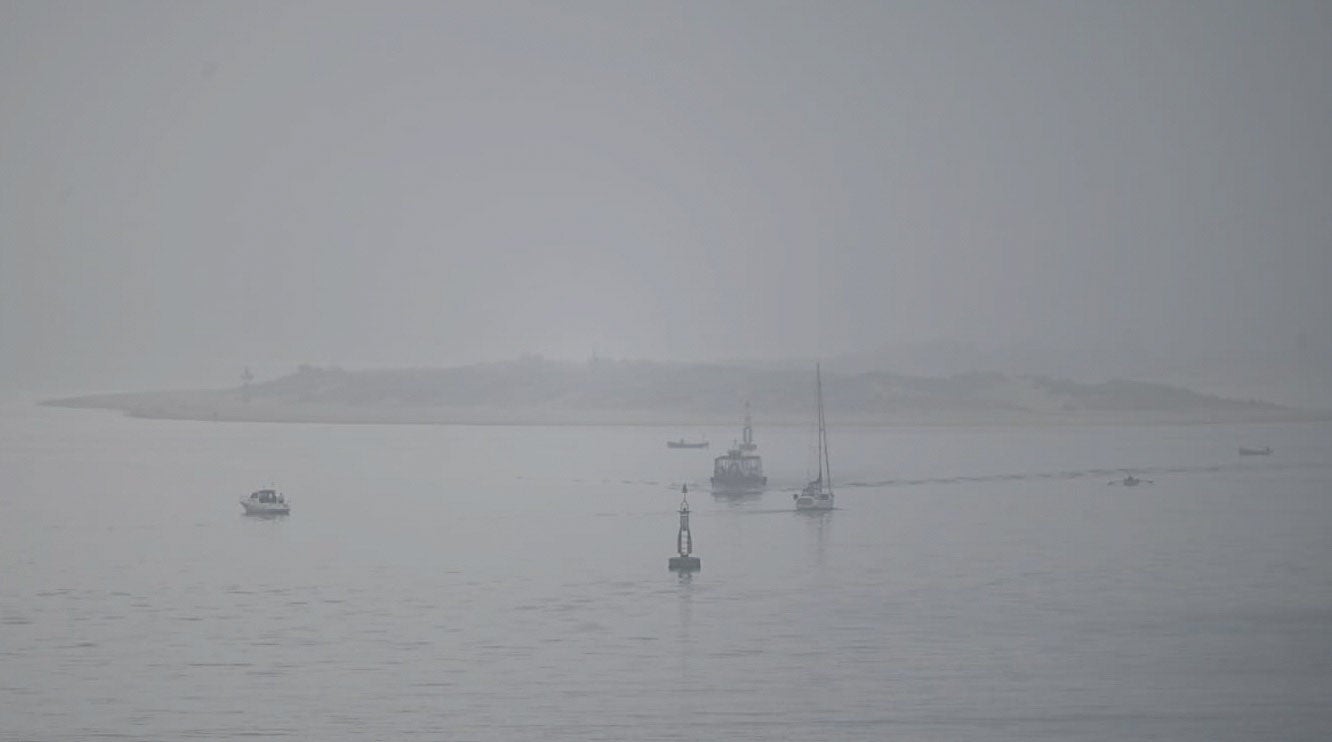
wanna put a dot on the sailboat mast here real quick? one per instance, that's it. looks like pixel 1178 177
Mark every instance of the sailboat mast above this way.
pixel 818 395
pixel 824 463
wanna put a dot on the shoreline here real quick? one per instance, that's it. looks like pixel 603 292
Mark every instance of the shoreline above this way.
pixel 223 406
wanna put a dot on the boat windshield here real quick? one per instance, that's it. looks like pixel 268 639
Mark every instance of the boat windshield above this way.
pixel 738 465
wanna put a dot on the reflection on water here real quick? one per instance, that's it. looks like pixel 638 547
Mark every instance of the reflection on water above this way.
pixel 819 525
pixel 736 499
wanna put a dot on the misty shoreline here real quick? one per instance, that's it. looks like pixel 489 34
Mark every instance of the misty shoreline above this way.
pixel 509 418
pixel 537 392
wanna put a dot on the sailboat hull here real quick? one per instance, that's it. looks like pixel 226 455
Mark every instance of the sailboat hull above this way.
pixel 814 502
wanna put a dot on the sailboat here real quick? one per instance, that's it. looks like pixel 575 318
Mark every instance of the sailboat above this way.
pixel 818 494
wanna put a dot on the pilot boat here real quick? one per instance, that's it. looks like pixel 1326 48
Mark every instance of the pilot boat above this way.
pixel 739 470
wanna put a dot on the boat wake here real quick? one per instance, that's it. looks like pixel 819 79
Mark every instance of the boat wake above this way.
pixel 1081 474
pixel 787 487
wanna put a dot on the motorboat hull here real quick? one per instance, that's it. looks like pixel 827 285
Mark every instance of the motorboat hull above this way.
pixel 265 502
pixel 265 508
pixel 738 485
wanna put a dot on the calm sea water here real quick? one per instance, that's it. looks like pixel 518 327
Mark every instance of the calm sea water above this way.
pixel 510 583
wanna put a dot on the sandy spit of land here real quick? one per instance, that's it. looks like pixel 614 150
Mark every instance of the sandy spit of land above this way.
pixel 227 406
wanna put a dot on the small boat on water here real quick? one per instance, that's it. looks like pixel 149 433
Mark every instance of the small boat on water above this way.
pixel 265 502
pixel 739 470
pixel 1131 481
pixel 682 443
pixel 818 494
pixel 1264 451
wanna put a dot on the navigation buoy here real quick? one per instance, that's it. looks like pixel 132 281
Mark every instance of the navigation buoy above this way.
pixel 684 541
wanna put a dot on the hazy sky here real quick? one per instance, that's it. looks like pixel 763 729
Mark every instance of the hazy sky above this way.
pixel 187 188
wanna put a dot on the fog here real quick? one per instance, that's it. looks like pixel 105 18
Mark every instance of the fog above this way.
pixel 190 189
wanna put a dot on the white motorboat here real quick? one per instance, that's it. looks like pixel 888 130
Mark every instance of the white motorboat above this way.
pixel 818 494
pixel 265 502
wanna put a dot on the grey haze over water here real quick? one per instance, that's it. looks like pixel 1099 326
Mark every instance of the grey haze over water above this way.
pixel 1133 190
pixel 510 583
pixel 1094 189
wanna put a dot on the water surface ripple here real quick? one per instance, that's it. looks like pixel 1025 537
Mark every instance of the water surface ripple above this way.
pixel 510 583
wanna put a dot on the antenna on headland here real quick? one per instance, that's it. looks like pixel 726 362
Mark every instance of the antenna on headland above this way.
pixel 748 433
